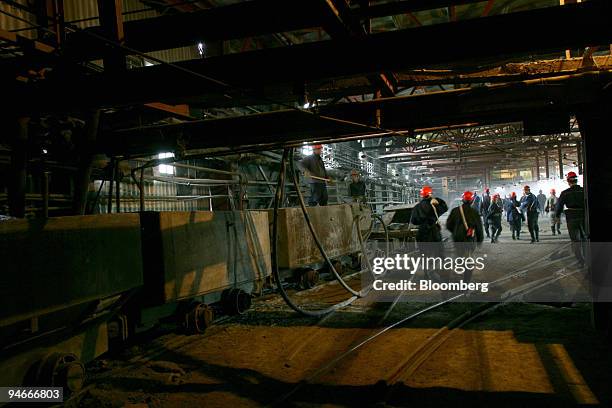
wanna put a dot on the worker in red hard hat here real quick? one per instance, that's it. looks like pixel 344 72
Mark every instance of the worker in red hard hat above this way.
pixel 572 199
pixel 465 226
pixel 514 216
pixel 426 192
pixel 426 216
pixel 316 176
pixel 467 197
pixel 531 206
pixel 494 216
pixel 551 206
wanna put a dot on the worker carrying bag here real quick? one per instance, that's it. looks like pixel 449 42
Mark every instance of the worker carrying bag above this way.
pixel 470 231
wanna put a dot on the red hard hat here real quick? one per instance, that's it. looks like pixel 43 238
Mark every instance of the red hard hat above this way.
pixel 317 146
pixel 513 194
pixel 467 196
pixel 526 188
pixel 426 191
pixel 552 191
pixel 487 189
pixel 571 175
pixel 496 195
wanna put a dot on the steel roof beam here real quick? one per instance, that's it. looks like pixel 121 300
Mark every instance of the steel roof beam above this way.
pixel 540 30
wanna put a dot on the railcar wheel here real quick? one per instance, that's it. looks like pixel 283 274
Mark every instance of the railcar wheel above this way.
pixel 235 301
pixel 60 370
pixel 199 318
pixel 309 278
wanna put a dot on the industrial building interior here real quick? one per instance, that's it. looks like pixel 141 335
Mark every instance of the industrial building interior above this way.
pixel 164 242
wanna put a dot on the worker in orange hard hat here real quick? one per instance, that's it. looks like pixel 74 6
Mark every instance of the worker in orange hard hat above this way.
pixel 316 175
pixel 425 215
pixel 572 199
pixel 465 225
pixel 551 206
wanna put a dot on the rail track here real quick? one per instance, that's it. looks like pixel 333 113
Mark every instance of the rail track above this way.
pixel 419 355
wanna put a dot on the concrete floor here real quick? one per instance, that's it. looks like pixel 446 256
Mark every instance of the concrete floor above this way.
pixel 519 355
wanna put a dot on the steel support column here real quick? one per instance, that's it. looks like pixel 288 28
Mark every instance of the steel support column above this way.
pixel 579 157
pixel 594 127
pixel 560 151
pixel 546 164
pixel 86 152
pixel 19 170
pixel 111 21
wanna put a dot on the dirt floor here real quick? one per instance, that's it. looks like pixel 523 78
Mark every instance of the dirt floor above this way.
pixel 518 355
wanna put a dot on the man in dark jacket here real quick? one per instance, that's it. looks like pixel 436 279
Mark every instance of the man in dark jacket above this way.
pixel 541 201
pixel 357 188
pixel 494 216
pixel 314 171
pixel 572 199
pixel 484 209
pixel 514 216
pixel 425 215
pixel 531 206
pixel 466 238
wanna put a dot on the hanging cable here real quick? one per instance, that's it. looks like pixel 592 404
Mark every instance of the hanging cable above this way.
pixel 315 238
pixel 278 198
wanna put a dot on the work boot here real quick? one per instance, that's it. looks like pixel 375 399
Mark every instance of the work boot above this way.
pixel 537 236
pixel 553 230
pixel 559 229
pixel 513 235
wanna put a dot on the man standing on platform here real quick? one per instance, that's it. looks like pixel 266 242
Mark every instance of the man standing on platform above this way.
pixel 314 170
pixel 357 188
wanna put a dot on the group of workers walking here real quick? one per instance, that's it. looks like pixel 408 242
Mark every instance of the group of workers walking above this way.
pixel 477 216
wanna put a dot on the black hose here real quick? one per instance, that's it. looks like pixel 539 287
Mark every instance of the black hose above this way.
pixel 278 198
pixel 313 232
